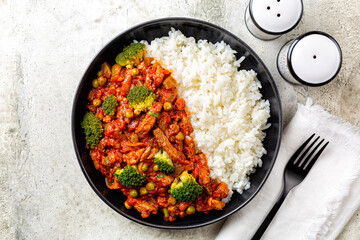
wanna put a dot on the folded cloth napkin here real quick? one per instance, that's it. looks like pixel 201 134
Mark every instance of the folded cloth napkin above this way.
pixel 320 206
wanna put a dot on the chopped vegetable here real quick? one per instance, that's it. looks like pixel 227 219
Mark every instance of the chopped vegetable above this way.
pixel 141 98
pixel 115 70
pixel 160 176
pixel 185 188
pixel 180 136
pixel 166 212
pixel 163 161
pixel 92 128
pixel 171 200
pixel 157 115
pixel 169 82
pixel 134 138
pixel 167 106
pixel 109 105
pixel 127 205
pixel 132 54
pixel 175 155
pixel 129 176
pixel 148 60
pixel 105 70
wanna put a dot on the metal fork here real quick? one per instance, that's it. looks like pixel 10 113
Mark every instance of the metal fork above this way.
pixel 295 171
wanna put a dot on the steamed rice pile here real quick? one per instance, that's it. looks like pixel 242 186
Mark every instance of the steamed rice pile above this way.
pixel 228 112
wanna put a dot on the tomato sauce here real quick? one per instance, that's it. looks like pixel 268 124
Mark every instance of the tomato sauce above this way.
pixel 129 140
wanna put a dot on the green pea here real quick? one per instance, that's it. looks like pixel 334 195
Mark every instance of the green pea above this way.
pixel 143 191
pixel 134 72
pixel 96 102
pixel 144 167
pixel 190 210
pixel 150 186
pixel 167 106
pixel 102 81
pixel 133 193
pixel 156 168
pixel 137 112
pixel 95 83
pixel 129 113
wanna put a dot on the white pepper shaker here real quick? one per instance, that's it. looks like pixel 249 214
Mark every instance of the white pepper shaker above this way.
pixel 312 59
pixel 269 19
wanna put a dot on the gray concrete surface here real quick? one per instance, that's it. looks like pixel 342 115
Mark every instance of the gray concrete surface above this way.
pixel 45 46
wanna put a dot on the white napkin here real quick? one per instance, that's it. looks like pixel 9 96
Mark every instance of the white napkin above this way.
pixel 320 206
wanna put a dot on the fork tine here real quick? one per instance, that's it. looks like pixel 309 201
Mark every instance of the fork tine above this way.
pixel 312 152
pixel 312 162
pixel 306 151
pixel 297 153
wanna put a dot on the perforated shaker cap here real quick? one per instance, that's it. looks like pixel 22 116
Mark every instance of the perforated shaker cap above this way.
pixel 276 16
pixel 315 58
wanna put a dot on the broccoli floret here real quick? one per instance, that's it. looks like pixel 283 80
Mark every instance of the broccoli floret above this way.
pixel 92 128
pixel 141 98
pixel 109 105
pixel 130 176
pixel 130 55
pixel 185 188
pixel 162 159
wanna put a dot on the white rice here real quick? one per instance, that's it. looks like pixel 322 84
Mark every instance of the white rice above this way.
pixel 228 112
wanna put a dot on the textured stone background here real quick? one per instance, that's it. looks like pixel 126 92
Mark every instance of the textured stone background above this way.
pixel 45 46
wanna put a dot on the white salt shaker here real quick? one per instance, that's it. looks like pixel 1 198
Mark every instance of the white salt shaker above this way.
pixel 312 59
pixel 269 19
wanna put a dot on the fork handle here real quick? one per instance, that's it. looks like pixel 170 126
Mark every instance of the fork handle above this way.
pixel 270 215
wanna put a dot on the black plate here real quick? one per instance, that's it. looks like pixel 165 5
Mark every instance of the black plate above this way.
pixel 199 30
